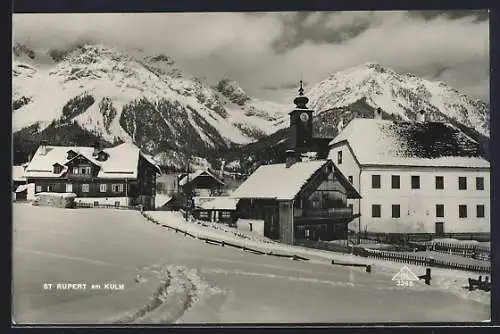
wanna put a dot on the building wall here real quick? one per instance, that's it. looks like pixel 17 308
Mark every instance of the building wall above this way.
pixel 350 168
pixel 286 222
pixel 418 206
pixel 59 185
pixel 123 201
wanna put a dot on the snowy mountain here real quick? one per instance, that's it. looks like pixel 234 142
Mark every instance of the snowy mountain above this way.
pixel 356 93
pixel 399 95
pixel 132 97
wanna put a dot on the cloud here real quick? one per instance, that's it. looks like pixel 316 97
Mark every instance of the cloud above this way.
pixel 263 50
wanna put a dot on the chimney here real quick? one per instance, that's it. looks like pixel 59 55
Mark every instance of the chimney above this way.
pixel 291 158
pixel 378 113
pixel 43 147
pixel 421 116
pixel 97 148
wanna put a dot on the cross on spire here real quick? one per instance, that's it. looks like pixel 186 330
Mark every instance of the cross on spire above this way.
pixel 301 89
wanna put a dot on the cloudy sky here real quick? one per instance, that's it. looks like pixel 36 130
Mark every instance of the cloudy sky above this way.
pixel 269 52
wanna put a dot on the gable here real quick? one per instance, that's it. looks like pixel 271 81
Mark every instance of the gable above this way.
pixel 80 160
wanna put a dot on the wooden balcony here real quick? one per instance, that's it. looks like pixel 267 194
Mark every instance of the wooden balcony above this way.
pixel 340 214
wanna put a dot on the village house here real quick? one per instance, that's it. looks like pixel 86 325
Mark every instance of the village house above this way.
pixel 120 176
pixel 220 209
pixel 302 198
pixel 414 177
pixel 19 184
pixel 200 183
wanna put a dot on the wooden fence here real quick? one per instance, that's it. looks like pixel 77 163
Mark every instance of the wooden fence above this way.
pixel 420 260
pixel 466 250
pixel 397 238
pixel 107 206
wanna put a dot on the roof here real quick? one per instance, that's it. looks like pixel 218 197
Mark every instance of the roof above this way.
pixel 192 176
pixel 278 182
pixel 122 161
pixel 21 188
pixel 18 174
pixel 434 144
pixel 219 203
pixel 161 200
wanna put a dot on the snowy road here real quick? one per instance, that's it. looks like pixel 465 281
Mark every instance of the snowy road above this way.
pixel 160 276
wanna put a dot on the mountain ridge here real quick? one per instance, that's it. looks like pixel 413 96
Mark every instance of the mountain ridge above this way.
pixel 129 95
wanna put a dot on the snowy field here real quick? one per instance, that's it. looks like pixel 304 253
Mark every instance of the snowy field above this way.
pixel 163 277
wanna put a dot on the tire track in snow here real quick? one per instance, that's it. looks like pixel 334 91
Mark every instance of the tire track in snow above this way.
pixel 180 289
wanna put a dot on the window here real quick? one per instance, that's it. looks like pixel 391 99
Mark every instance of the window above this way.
pixel 86 170
pixel 439 182
pixel 226 214
pixel 395 182
pixel 38 189
pixel 462 183
pixel 102 187
pixel 396 211
pixel 439 210
pixel 480 211
pixel 203 214
pixel 117 188
pixel 75 170
pixel 339 157
pixel 57 169
pixel 415 182
pixel 376 181
pixel 479 183
pixel 376 211
pixel 69 188
pixel 462 211
pixel 350 206
pixel 85 188
pixel 350 178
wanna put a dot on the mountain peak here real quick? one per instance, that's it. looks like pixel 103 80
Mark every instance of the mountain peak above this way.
pixel 400 95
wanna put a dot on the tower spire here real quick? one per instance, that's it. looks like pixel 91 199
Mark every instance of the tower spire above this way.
pixel 301 100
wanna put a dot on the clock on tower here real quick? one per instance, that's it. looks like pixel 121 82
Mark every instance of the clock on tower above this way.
pixel 300 132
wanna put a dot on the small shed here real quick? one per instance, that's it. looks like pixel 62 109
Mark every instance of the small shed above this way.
pixel 216 209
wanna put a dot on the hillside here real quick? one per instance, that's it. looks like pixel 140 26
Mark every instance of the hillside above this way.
pixel 133 97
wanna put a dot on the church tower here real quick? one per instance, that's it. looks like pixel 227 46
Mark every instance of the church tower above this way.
pixel 301 130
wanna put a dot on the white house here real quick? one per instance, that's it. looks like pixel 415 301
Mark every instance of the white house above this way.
pixel 414 177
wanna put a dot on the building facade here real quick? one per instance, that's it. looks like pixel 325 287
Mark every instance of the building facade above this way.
pixel 414 177
pixel 120 176
pixel 302 198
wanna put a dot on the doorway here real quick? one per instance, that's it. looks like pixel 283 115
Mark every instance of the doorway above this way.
pixel 439 229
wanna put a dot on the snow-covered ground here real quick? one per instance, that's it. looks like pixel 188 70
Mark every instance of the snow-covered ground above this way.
pixel 168 277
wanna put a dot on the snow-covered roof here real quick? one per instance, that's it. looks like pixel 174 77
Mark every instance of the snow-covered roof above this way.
pixel 434 144
pixel 18 174
pixel 219 203
pixel 278 182
pixel 192 176
pixel 122 161
pixel 21 188
pixel 161 200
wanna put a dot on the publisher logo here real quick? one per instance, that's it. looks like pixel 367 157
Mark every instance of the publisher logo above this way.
pixel 405 277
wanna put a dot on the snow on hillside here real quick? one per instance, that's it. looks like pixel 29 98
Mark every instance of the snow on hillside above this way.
pixel 123 77
pixel 398 94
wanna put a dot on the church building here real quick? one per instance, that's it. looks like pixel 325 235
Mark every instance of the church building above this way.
pixel 303 198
